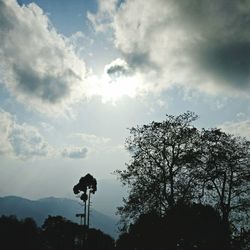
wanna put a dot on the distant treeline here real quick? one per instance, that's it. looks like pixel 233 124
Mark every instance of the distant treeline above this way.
pixel 56 233
pixel 187 227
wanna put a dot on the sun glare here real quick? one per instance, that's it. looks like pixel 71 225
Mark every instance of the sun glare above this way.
pixel 112 90
pixel 115 89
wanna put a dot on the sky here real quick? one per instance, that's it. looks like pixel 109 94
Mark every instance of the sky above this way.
pixel 76 75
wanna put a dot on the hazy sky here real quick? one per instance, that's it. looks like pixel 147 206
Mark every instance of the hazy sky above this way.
pixel 74 75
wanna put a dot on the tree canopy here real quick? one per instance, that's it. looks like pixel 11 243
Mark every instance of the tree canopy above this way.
pixel 185 226
pixel 225 173
pixel 163 154
pixel 173 161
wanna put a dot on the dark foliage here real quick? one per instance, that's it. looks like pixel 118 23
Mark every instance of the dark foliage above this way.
pixel 86 182
pixel 241 241
pixel 173 161
pixel 23 234
pixel 96 239
pixel 57 233
pixel 87 185
pixel 184 227
pixel 195 227
pixel 225 174
pixel 63 234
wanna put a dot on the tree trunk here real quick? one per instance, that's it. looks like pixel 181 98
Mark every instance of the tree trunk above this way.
pixel 171 200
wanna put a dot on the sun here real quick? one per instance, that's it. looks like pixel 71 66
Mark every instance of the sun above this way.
pixel 116 89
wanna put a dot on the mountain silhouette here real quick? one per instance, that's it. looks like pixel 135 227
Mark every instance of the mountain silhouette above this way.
pixel 40 209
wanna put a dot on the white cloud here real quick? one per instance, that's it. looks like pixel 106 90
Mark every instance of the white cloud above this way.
pixel 102 20
pixel 202 45
pixel 40 68
pixel 240 128
pixel 196 44
pixel 6 127
pixel 74 152
pixel 91 140
pixel 24 141
pixel 241 115
pixel 97 144
pixel 21 140
pixel 46 126
pixel 81 44
pixel 117 80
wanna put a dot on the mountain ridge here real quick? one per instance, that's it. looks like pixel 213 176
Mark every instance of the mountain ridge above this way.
pixel 41 208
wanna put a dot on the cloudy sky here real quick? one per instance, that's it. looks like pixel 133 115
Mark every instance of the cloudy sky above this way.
pixel 75 75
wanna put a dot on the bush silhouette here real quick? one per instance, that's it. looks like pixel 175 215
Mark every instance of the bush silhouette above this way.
pixel 62 234
pixel 17 234
pixel 193 226
pixel 97 240
pixel 59 233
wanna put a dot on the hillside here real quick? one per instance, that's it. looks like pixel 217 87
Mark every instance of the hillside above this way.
pixel 40 209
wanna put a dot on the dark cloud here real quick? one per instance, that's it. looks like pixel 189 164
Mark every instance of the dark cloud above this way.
pixel 39 68
pixel 141 60
pixel 204 44
pixel 5 18
pixel 49 88
pixel 118 68
pixel 230 63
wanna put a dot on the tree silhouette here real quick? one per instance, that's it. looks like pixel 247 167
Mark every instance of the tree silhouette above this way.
pixel 226 174
pixel 85 184
pixel 195 226
pixel 125 242
pixel 163 156
pixel 59 233
pixel 174 161
pixel 97 240
pixel 19 234
pixel 242 241
pixel 148 232
pixel 30 234
pixel 184 226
